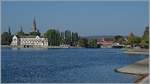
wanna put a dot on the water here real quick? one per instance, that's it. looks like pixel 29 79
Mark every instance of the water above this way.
pixel 65 65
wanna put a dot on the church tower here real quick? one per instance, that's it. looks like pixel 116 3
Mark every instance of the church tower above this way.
pixel 34 29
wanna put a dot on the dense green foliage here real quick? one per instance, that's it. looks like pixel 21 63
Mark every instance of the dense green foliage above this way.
pixel 83 42
pixel 145 38
pixel 57 38
pixel 130 39
pixel 6 38
pixel 53 37
pixel 119 39
pixel 75 38
pixel 92 43
pixel 68 37
pixel 140 41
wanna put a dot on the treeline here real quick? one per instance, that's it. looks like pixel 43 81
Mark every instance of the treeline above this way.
pixel 88 43
pixel 22 33
pixel 133 40
pixel 142 41
pixel 6 38
pixel 56 38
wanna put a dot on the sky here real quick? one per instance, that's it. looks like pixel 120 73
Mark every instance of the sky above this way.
pixel 86 18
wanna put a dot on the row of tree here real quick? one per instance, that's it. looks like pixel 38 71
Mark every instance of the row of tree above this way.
pixel 140 41
pixel 88 43
pixel 134 40
pixel 22 33
pixel 6 38
pixel 56 38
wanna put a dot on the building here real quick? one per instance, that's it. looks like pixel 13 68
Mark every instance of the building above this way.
pixel 105 42
pixel 29 40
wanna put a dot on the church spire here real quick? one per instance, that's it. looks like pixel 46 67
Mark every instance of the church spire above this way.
pixel 34 26
pixel 21 30
pixel 9 31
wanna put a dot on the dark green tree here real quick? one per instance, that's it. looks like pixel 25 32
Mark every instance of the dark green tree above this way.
pixel 75 38
pixel 145 38
pixel 119 39
pixel 62 38
pixel 131 39
pixel 68 37
pixel 83 42
pixel 92 43
pixel 6 38
pixel 53 37
pixel 146 35
pixel 137 40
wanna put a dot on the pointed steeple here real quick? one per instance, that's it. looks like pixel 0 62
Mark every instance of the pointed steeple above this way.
pixel 9 31
pixel 21 30
pixel 38 32
pixel 34 29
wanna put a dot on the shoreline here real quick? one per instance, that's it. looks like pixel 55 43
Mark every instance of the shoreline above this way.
pixel 139 69
pixel 136 51
pixel 8 46
pixel 140 78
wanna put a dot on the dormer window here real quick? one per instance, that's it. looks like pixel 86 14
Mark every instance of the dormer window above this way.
pixel 15 39
pixel 37 37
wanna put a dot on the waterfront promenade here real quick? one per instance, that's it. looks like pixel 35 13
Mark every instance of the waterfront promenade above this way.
pixel 139 68
pixel 136 51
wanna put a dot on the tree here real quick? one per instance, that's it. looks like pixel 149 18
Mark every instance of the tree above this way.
pixel 145 38
pixel 62 38
pixel 144 44
pixel 53 37
pixel 68 38
pixel 75 38
pixel 146 35
pixel 131 39
pixel 119 39
pixel 93 43
pixel 137 40
pixel 83 42
pixel 6 38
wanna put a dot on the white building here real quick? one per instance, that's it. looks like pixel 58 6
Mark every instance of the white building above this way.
pixel 29 41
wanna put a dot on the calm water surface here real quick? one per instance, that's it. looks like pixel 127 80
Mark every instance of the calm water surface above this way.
pixel 65 65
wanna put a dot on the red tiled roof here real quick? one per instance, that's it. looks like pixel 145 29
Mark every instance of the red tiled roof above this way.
pixel 105 41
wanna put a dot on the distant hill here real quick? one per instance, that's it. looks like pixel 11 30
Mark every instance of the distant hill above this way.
pixel 99 37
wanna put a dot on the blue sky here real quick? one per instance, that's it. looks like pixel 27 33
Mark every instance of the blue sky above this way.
pixel 86 18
